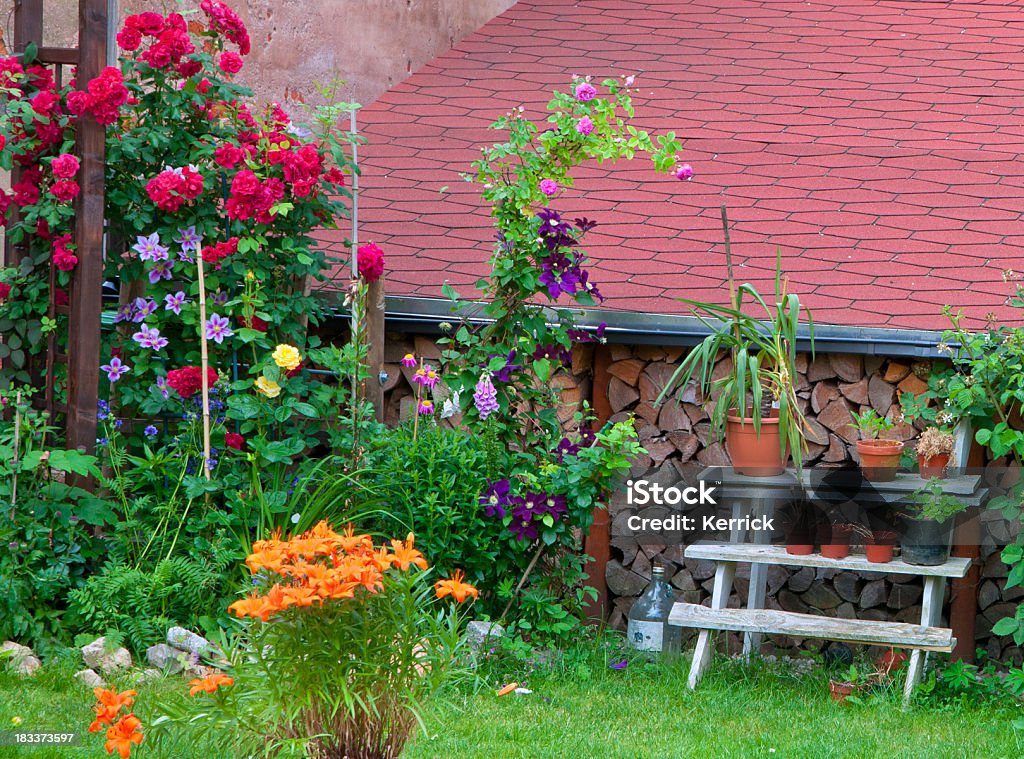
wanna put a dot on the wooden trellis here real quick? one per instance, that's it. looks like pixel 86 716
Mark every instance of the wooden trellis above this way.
pixel 85 296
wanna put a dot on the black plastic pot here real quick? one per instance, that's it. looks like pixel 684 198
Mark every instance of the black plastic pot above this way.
pixel 926 542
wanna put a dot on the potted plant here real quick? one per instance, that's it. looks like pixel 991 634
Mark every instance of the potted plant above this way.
pixel 837 544
pixel 879 546
pixel 755 404
pixel 799 521
pixel 927 524
pixel 878 457
pixel 934 451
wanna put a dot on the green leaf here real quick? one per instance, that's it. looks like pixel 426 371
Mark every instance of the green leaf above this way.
pixel 1005 626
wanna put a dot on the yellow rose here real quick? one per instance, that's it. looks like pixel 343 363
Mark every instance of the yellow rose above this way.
pixel 268 387
pixel 287 357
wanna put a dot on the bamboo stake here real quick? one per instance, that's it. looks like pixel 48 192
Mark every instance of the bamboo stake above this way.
pixel 204 363
pixel 17 459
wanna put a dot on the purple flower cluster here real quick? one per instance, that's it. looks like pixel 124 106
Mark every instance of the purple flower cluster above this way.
pixel 561 265
pixel 504 374
pixel 567 447
pixel 582 336
pixel 529 510
pixel 553 353
pixel 136 311
pixel 150 337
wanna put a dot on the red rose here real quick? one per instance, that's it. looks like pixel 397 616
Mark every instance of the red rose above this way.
pixel 129 38
pixel 60 297
pixel 189 67
pixel 65 190
pixel 79 102
pixel 5 290
pixel 187 380
pixel 254 322
pixel 64 166
pixel 228 155
pixel 230 63
pixel 370 262
pixel 234 440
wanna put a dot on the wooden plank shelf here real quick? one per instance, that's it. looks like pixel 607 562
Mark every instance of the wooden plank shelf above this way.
pixel 898 634
pixel 768 554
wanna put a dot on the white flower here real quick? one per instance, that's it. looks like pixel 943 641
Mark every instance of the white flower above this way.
pixel 295 518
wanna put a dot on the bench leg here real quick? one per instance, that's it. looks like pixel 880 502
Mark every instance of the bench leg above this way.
pixel 724 575
pixel 931 609
pixel 758 585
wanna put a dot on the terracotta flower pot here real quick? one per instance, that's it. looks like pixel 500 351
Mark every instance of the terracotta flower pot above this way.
pixel 880 546
pixel 839 545
pixel 752 454
pixel 879 459
pixel 799 549
pixel 933 466
pixel 840 690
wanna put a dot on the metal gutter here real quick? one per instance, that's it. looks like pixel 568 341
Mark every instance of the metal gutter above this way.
pixel 424 315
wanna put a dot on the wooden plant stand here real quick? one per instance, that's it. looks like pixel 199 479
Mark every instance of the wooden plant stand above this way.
pixel 926 636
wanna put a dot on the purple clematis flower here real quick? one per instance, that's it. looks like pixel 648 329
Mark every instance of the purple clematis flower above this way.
pixel 162 386
pixel 522 524
pixel 162 270
pixel 174 302
pixel 149 248
pixel 220 298
pixel 115 369
pixel 496 498
pixel 125 313
pixel 505 373
pixel 218 328
pixel 149 337
pixel 150 431
pixel 189 239
pixel 143 307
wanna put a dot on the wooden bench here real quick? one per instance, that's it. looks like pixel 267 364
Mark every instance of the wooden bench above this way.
pixel 926 636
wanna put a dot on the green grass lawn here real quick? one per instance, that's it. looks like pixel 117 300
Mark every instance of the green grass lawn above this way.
pixel 583 709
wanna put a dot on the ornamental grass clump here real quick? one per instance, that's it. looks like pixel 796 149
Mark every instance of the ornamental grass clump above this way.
pixel 343 641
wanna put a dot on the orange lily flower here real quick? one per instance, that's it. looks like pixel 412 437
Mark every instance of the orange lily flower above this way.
pixel 122 735
pixel 253 606
pixel 109 703
pixel 300 596
pixel 406 555
pixel 209 684
pixel 456 588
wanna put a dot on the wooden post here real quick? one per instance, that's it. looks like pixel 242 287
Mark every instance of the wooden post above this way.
pixel 963 594
pixel 87 285
pixel 597 544
pixel 374 389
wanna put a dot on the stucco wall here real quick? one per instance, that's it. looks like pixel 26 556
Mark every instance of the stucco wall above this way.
pixel 372 44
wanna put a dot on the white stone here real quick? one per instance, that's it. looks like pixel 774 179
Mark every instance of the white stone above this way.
pixel 98 658
pixel 90 679
pixel 479 634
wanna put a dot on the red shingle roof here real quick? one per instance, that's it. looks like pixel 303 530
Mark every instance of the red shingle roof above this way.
pixel 878 143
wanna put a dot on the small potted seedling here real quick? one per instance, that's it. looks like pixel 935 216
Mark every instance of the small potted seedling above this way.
pixel 842 688
pixel 878 457
pixel 837 544
pixel 934 452
pixel 879 545
pixel 928 521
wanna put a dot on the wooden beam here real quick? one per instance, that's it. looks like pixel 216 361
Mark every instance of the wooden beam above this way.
pixel 897 634
pixel 374 389
pixel 28 23
pixel 597 544
pixel 87 285
pixel 65 55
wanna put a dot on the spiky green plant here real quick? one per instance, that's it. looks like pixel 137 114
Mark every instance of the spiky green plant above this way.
pixel 763 351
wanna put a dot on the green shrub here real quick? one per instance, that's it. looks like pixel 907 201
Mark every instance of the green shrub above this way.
pixel 142 603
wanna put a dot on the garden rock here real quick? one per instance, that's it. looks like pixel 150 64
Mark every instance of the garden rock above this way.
pixel 165 658
pixel 191 643
pixel 146 675
pixel 90 679
pixel 480 634
pixel 21 658
pixel 98 658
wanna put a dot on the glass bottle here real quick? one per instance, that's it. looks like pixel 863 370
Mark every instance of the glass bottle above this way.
pixel 648 628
